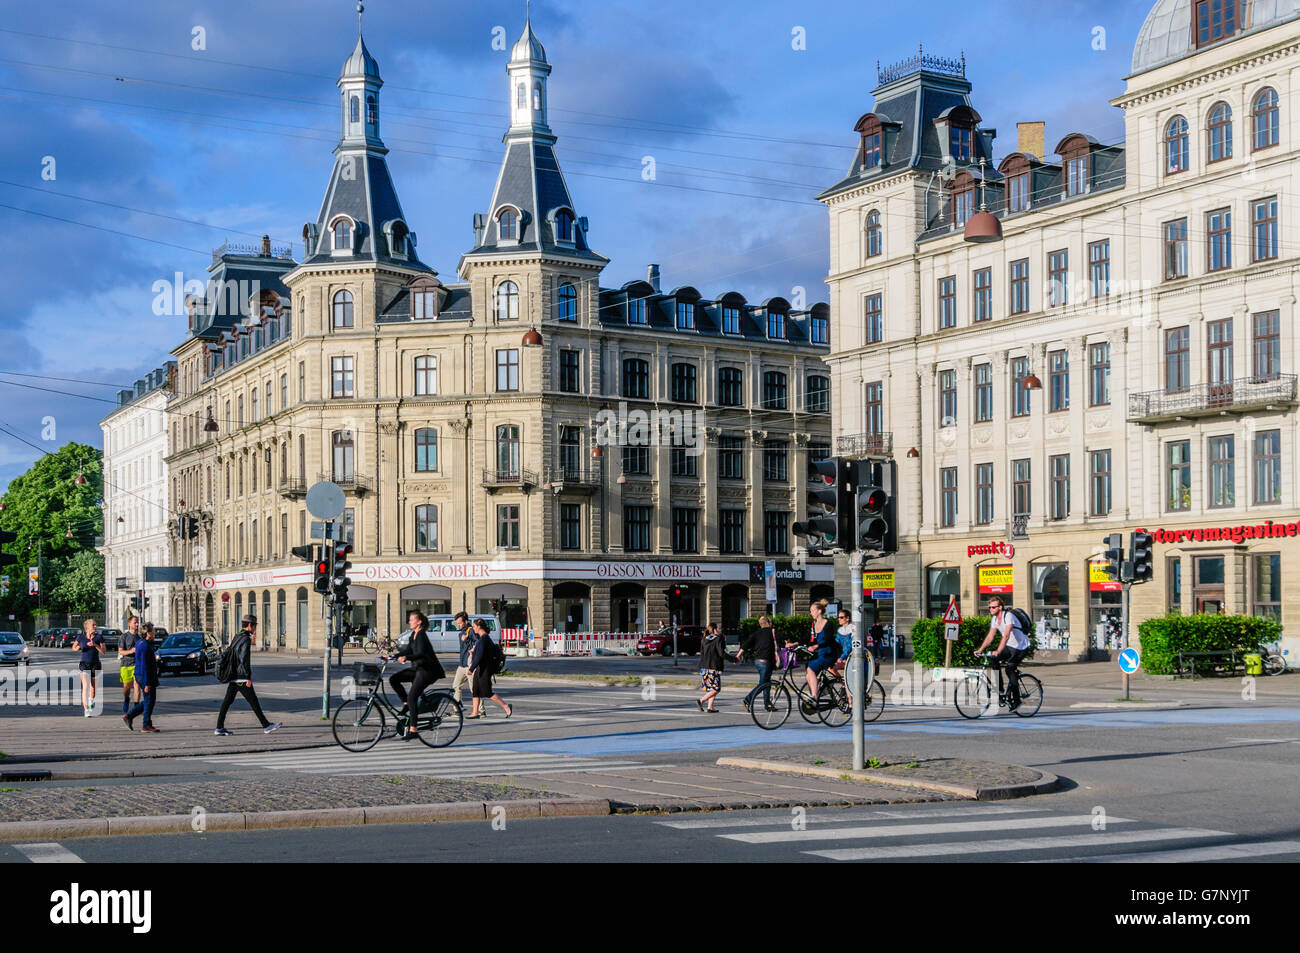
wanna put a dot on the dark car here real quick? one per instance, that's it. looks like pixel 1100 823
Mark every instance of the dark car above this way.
pixel 39 638
pixel 64 638
pixel 188 652
pixel 112 638
pixel 689 638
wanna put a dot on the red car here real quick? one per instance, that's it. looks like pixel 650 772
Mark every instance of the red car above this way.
pixel 689 638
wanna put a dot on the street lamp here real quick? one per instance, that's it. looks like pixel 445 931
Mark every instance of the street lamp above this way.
pixel 983 227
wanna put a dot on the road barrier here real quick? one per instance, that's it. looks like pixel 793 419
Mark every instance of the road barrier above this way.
pixel 591 643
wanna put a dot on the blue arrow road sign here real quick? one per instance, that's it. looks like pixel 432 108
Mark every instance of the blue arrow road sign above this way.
pixel 1128 661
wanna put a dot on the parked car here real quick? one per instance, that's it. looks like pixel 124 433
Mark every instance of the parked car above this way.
pixel 445 637
pixel 64 638
pixel 112 638
pixel 13 648
pixel 689 638
pixel 188 652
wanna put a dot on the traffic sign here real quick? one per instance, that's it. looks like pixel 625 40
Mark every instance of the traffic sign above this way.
pixel 325 500
pixel 952 620
pixel 1128 661
pixel 225 597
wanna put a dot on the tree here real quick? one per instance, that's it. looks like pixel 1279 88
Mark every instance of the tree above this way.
pixel 77 583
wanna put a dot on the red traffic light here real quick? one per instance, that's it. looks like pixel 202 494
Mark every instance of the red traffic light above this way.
pixel 322 568
pixel 875 501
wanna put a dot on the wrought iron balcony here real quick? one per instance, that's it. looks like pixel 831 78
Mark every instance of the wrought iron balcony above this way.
pixel 1207 400
pixel 573 478
pixel 293 487
pixel 495 478
pixel 865 445
pixel 348 482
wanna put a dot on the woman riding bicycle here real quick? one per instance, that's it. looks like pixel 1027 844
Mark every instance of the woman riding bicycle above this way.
pixel 424 671
pixel 826 649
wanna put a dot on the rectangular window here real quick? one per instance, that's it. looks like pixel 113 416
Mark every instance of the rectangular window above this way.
pixel 1178 367
pixel 1267 350
pixel 508 369
pixel 1100 467
pixel 684 463
pixel 1099 268
pixel 1266 585
pixel 948 302
pixel 1059 469
pixel 1099 375
pixel 344 458
pixel 730 320
pixel 875 392
pixel 571 526
pixel 820 329
pixel 1268 466
pixel 774 390
pixel 636 529
pixel 341 376
pixel 1076 172
pixel 685 316
pixel 1021 488
pixel 983 493
pixel 819 394
pixel 947 398
pixel 1058 278
pixel 959 140
pixel 731 458
pixel 1218 239
pixel 686 520
pixel 570 448
pixel 1222 466
pixel 569 364
pixel 948 496
pixel 636 460
pixel 426 529
pixel 1179 480
pixel 874 315
pixel 1019 286
pixel 636 311
pixel 682 383
pixel 1018 193
pixel 1215 20
pixel 983 295
pixel 776 536
pixel 731 531
pixel 730 387
pixel 983 392
pixel 1020 395
pixel 350 526
pixel 1264 222
pixel 1058 363
pixel 1176 249
pixel 508 526
pixel 302 381
pixel 871 151
pixel 963 204
pixel 776 325
pixel 775 459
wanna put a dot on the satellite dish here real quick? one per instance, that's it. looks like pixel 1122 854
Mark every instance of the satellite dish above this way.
pixel 325 501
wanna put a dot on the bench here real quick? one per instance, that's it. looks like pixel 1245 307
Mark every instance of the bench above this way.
pixel 1220 662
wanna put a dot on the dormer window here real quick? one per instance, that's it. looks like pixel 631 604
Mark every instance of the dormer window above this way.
pixel 424 299
pixel 563 226
pixel 820 329
pixel 508 225
pixel 730 319
pixel 685 316
pixel 1076 151
pixel 636 311
pixel 775 325
pixel 1215 20
pixel 342 230
pixel 869 156
pixel 1016 174
pixel 959 143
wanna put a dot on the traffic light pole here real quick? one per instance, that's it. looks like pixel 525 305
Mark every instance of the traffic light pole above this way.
pixel 1123 624
pixel 329 627
pixel 858 681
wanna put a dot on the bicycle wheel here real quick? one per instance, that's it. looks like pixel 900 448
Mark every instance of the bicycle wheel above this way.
pixel 441 718
pixel 772 714
pixel 358 724
pixel 874 701
pixel 1031 695
pixel 837 709
pixel 370 646
pixel 1274 664
pixel 973 695
pixel 807 707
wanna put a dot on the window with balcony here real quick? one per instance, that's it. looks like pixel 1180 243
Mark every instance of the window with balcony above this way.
pixel 1267 349
pixel 507 453
pixel 570 448
pixel 875 406
pixel 343 468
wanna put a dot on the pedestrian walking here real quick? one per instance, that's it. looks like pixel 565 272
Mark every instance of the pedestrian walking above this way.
pixel 461 621
pixel 241 678
pixel 146 675
pixel 126 663
pixel 712 652
pixel 424 671
pixel 761 649
pixel 482 666
pixel 91 646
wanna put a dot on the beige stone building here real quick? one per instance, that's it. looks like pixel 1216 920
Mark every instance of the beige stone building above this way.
pixel 519 434
pixel 1123 357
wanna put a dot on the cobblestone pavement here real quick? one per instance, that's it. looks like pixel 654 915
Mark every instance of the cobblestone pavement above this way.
pixel 36 802
pixel 980 774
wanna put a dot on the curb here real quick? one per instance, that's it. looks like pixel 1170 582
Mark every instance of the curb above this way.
pixel 322 817
pixel 1135 706
pixel 1046 782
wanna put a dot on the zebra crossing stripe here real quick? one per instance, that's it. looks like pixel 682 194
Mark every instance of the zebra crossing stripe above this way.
pixel 909 830
pixel 1017 845
pixel 702 823
pixel 1188 855
pixel 48 854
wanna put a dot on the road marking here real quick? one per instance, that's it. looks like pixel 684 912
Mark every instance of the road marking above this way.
pixel 1017 844
pixel 48 854
pixel 1194 854
pixel 462 762
pixel 908 830
pixel 702 823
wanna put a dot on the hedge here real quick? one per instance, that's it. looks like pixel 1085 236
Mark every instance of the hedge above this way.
pixel 1163 638
pixel 789 628
pixel 928 641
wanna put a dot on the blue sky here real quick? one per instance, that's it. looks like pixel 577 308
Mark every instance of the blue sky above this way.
pixel 235 141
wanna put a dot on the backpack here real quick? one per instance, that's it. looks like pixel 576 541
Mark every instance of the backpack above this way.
pixel 226 666
pixel 497 659
pixel 1026 623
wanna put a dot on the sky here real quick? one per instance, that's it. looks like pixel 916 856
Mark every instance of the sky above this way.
pixel 138 137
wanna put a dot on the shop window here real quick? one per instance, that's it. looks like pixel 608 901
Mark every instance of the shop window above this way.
pixel 1052 605
pixel 942 584
pixel 1266 585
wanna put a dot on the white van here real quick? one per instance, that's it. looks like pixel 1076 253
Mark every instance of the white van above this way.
pixel 445 637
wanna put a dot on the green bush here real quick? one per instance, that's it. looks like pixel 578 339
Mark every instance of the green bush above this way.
pixel 928 641
pixel 1161 639
pixel 789 628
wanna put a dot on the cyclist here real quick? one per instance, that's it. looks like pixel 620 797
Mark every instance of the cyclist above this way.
pixel 424 671
pixel 1011 648
pixel 827 650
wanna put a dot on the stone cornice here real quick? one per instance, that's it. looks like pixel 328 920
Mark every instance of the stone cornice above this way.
pixel 1186 82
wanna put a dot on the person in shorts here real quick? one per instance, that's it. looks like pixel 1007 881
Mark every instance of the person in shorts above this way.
pixel 126 658
pixel 91 646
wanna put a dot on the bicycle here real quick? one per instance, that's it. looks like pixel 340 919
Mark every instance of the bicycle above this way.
pixel 1274 661
pixel 359 723
pixel 383 645
pixel 973 694
pixel 839 703
pixel 769 702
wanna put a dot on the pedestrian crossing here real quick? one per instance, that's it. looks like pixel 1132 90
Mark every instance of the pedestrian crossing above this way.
pixel 979 833
pixel 415 760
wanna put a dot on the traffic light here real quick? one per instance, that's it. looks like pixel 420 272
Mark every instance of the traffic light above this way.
pixel 322 577
pixel 875 511
pixel 192 529
pixel 673 596
pixel 340 566
pixel 135 603
pixel 7 536
pixel 306 553
pixel 830 503
pixel 1114 544
pixel 1140 553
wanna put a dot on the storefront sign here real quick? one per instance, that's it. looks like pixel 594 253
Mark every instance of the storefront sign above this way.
pixel 995 579
pixel 785 572
pixel 1224 534
pixel 1100 581
pixel 878 585
pixel 999 547
pixel 769 581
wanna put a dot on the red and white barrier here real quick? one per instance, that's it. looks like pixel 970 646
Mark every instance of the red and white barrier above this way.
pixel 590 643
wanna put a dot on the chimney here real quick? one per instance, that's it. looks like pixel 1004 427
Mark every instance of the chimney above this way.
pixel 652 276
pixel 1030 137
pixel 266 246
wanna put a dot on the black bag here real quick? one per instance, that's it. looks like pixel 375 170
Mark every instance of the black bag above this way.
pixel 497 661
pixel 226 665
pixel 1026 623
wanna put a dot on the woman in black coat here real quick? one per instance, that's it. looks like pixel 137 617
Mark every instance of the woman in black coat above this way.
pixel 424 671
pixel 479 671
pixel 713 650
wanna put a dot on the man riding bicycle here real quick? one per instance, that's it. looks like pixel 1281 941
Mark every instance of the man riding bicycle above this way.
pixel 1011 649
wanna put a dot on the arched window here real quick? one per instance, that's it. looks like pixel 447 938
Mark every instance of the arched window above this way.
pixel 372 111
pixel 537 97
pixel 343 309
pixel 1177 156
pixel 426 529
pixel 508 225
pixel 507 301
pixel 426 376
pixel 426 450
pixel 869 128
pixel 1265 118
pixel 354 109
pixel 1219 132
pixel 875 234
pixel 507 452
pixel 568 303
pixel 563 226
pixel 521 96
pixel 342 234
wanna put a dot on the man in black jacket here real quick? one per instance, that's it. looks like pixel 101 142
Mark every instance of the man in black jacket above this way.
pixel 242 681
pixel 424 671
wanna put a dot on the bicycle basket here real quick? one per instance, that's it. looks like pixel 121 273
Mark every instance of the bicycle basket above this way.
pixel 365 673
